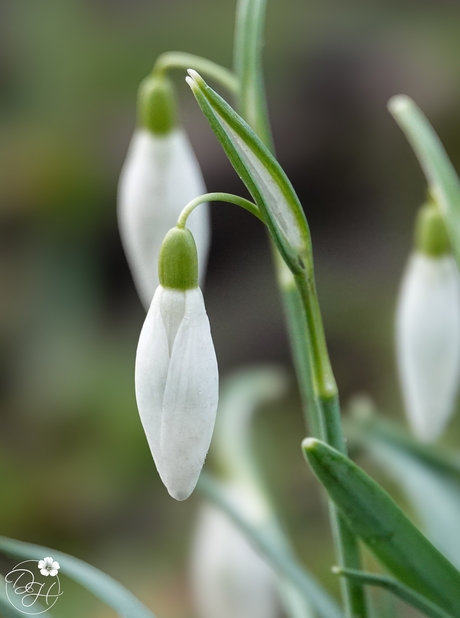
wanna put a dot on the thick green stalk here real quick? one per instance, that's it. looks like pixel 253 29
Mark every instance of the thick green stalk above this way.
pixel 316 380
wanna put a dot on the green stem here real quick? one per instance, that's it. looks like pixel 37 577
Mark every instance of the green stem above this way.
pixel 317 384
pixel 182 60
pixel 398 589
pixel 217 197
pixel 300 344
pixel 249 39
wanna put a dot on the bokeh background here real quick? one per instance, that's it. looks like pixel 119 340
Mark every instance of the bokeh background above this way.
pixel 75 470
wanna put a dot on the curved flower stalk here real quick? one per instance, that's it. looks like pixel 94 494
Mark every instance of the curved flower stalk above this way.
pixel 159 176
pixel 176 369
pixel 428 329
pixel 229 578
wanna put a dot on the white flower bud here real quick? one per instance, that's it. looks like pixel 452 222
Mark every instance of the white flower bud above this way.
pixel 159 177
pixel 177 382
pixel 229 578
pixel 428 341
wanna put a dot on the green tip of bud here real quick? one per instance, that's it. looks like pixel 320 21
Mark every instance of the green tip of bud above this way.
pixel 430 232
pixel 178 261
pixel 157 104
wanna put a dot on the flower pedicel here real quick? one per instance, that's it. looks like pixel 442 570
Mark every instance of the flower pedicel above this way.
pixel 176 369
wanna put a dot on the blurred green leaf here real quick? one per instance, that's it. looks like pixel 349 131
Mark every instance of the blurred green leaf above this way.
pixel 429 478
pixel 440 173
pixel 101 585
pixel 7 610
pixel 390 535
pixel 276 554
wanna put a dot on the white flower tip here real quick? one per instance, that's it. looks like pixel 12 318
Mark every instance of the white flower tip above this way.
pixel 180 494
pixel 399 103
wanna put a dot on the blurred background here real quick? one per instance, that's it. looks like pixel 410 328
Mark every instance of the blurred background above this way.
pixel 75 470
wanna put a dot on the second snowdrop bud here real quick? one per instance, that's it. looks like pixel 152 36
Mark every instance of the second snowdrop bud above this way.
pixel 428 329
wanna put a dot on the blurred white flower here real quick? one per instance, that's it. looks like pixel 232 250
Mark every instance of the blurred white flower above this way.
pixel 229 578
pixel 428 341
pixel 159 177
pixel 48 566
pixel 177 386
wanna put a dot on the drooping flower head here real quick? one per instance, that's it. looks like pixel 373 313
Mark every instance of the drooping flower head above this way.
pixel 176 369
pixel 428 329
pixel 160 175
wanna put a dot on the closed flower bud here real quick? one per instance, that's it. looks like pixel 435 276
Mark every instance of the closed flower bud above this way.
pixel 428 329
pixel 176 369
pixel 229 578
pixel 159 177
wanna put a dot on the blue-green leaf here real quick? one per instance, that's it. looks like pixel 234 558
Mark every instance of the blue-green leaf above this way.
pixel 101 585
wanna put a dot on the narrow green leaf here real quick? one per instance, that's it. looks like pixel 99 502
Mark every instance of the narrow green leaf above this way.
pixel 262 175
pixel 266 541
pixel 439 171
pixel 101 585
pixel 390 535
pixel 403 592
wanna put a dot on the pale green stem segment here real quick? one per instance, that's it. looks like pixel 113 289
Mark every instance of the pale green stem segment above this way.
pixel 101 585
pixel 281 560
pixel 182 60
pixel 217 197
pixel 249 40
pixel 316 380
pixel 381 524
pixel 441 176
pixel 398 589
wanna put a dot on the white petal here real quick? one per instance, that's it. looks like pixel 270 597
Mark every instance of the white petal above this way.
pixel 229 578
pixel 41 564
pixel 44 572
pixel 152 362
pixel 159 177
pixel 190 400
pixel 56 565
pixel 428 342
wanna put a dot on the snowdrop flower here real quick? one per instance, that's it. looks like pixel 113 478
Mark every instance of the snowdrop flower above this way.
pixel 48 566
pixel 428 329
pixel 160 175
pixel 176 369
pixel 228 577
